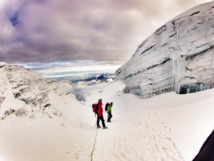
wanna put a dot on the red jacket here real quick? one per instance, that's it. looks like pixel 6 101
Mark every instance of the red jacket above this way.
pixel 100 109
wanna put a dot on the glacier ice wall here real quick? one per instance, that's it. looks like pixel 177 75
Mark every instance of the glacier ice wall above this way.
pixel 179 56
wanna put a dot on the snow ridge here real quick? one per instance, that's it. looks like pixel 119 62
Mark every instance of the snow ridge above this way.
pixel 177 57
pixel 29 90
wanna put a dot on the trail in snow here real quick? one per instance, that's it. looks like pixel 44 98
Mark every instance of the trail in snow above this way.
pixel 138 139
pixel 92 152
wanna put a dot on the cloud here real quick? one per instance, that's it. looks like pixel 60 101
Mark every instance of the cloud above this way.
pixel 73 70
pixel 7 31
pixel 99 30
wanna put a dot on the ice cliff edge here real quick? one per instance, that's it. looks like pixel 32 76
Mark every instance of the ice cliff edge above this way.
pixel 179 56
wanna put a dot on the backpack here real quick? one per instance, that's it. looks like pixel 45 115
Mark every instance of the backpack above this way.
pixel 106 107
pixel 95 108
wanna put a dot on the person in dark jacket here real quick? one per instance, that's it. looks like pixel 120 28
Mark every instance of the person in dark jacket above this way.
pixel 100 115
pixel 206 152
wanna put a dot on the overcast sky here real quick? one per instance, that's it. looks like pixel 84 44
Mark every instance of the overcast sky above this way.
pixel 42 32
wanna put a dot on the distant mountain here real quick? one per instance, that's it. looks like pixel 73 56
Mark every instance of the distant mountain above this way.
pixel 103 77
pixel 179 56
pixel 93 81
pixel 99 77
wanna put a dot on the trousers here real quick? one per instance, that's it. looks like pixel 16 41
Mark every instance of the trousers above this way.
pixel 98 121
pixel 109 116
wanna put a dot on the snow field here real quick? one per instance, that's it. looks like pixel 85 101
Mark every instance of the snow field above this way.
pixel 166 127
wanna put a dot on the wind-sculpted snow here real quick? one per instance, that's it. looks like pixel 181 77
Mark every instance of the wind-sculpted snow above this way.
pixel 29 90
pixel 179 56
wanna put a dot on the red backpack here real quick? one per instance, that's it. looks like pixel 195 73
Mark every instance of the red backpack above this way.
pixel 95 108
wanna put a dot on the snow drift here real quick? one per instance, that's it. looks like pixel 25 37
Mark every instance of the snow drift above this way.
pixel 179 56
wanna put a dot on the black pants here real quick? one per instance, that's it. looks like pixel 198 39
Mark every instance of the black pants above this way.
pixel 206 151
pixel 98 121
pixel 109 116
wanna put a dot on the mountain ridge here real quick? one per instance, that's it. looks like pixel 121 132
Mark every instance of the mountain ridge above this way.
pixel 30 91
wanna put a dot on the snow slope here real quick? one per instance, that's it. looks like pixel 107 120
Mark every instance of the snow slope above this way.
pixel 166 127
pixel 29 92
pixel 41 120
pixel 176 57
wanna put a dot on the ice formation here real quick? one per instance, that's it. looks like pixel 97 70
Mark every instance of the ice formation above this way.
pixel 176 57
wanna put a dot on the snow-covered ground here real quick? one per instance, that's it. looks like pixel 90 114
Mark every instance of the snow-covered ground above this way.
pixel 167 127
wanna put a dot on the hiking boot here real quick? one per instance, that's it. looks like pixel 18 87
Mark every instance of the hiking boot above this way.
pixel 109 121
pixel 105 127
pixel 98 127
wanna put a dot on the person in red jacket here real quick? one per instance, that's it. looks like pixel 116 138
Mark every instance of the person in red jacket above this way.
pixel 100 115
